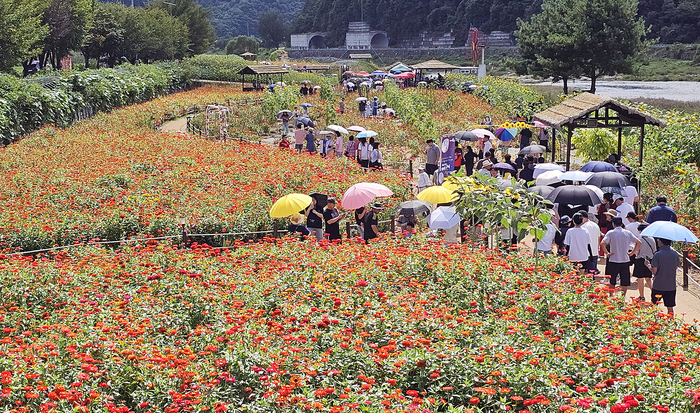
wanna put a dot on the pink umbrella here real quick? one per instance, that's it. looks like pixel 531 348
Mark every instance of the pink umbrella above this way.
pixel 363 193
pixel 362 73
pixel 405 75
pixel 356 128
pixel 539 124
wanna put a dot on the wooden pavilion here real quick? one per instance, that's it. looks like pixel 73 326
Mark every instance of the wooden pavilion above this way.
pixel 589 111
pixel 433 67
pixel 261 72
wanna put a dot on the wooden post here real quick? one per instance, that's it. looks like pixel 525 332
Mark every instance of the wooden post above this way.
pixel 554 144
pixel 347 228
pixel 275 234
pixel 393 226
pixel 685 269
pixel 569 132
pixel 641 146
pixel 619 143
pixel 410 167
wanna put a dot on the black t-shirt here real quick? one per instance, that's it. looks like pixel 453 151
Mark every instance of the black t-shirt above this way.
pixel 370 219
pixel 333 229
pixel 469 158
pixel 313 220
pixel 525 136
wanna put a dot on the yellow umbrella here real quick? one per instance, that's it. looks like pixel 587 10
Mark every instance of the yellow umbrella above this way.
pixel 437 195
pixel 289 205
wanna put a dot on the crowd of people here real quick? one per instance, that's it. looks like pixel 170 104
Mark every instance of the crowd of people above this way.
pixel 324 222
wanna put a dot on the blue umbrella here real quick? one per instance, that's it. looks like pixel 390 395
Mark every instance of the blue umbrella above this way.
pixel 367 134
pixel 443 218
pixel 378 73
pixel 598 166
pixel 669 230
pixel 506 134
pixel 306 105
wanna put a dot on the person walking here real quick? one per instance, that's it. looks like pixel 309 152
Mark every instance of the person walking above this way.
pixel 525 137
pixel 351 147
pixel 578 243
pixel 663 266
pixel 618 264
pixel 310 141
pixel 376 157
pixel 544 245
pixel 362 108
pixel 371 222
pixel 642 271
pixel 468 160
pixel 594 232
pixel 314 219
pixel 285 122
pixel 432 153
pixel 623 208
pixel 661 212
pixel 341 107
pixel 332 218
pixel 299 138
pixel 338 144
pixel 364 151
pixel 423 179
pixel 375 106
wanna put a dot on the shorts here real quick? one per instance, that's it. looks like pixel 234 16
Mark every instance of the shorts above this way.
pixel 613 269
pixel 430 168
pixel 298 146
pixel 640 269
pixel 592 263
pixel 668 297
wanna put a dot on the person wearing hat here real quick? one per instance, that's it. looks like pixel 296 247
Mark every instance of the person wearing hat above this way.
pixel 619 240
pixel 423 179
pixel 332 218
pixel 296 227
pixel 486 167
pixel 622 208
pixel 371 222
pixel 310 141
pixel 564 225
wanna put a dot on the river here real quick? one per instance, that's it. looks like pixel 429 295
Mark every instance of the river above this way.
pixel 681 91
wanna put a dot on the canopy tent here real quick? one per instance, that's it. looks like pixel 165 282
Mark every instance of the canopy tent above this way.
pixel 589 111
pixel 264 71
pixel 399 67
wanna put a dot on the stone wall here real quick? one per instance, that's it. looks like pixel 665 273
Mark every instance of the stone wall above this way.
pixel 391 55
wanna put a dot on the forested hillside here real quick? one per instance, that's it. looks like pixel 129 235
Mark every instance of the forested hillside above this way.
pixel 670 20
pixel 234 17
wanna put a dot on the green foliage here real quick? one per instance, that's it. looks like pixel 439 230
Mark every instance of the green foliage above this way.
pixel 594 144
pixel 194 17
pixel 242 44
pixel 272 29
pixel 68 22
pixel 104 36
pixel 27 106
pixel 215 67
pixel 414 107
pixel 572 37
pixel 21 31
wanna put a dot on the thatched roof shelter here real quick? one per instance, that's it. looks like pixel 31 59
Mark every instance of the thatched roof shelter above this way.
pixel 434 65
pixel 591 111
pixel 261 71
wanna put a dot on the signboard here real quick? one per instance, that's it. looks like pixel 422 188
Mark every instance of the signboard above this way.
pixel 447 163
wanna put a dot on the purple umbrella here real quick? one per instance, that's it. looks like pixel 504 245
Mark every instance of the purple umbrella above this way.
pixel 504 167
pixel 598 166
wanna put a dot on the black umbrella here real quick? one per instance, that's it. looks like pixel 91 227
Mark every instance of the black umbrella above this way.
pixel 306 122
pixel 543 190
pixel 465 135
pixel 574 195
pixel 414 208
pixel 321 199
pixel 532 149
pixel 608 179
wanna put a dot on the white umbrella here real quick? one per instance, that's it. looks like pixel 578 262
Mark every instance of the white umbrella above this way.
pixel 356 128
pixel 578 176
pixel 443 218
pixel 360 99
pixel 671 231
pixel 337 128
pixel 595 189
pixel 541 168
pixel 483 132
pixel 548 178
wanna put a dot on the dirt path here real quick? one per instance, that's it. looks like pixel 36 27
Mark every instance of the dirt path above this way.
pixel 177 125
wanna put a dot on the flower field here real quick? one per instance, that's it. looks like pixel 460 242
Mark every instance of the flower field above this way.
pixel 113 177
pixel 293 326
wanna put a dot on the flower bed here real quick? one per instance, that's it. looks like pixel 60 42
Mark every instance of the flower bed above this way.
pixel 293 326
pixel 113 177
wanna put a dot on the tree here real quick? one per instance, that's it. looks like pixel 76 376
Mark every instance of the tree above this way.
pixel 242 44
pixel 194 17
pixel 68 22
pixel 104 37
pixel 612 38
pixel 548 42
pixel 21 31
pixel 272 29
pixel 573 37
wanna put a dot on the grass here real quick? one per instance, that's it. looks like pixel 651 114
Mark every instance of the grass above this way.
pixel 667 104
pixel 666 70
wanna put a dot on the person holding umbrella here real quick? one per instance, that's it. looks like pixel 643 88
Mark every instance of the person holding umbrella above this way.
pixel 295 226
pixel 663 266
pixel 371 222
pixel 332 218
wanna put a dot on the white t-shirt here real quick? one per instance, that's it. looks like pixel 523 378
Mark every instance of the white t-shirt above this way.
pixel 594 232
pixel 487 146
pixel 622 211
pixel 545 244
pixel 452 235
pixel 633 227
pixel 631 194
pixel 578 240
